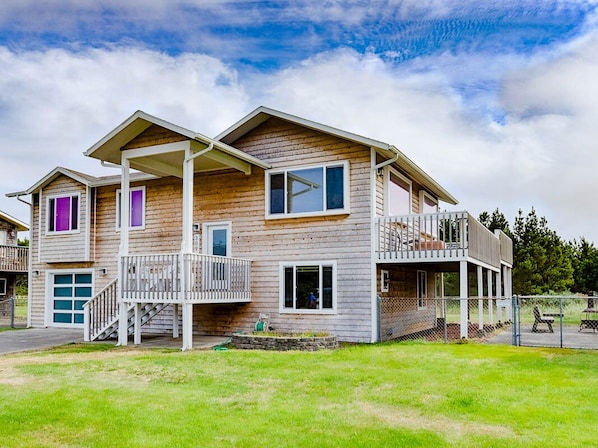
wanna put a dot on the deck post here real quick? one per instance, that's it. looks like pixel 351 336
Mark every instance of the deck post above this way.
pixel 463 292
pixel 480 298
pixel 187 326
pixel 125 210
pixel 137 325
pixel 175 321
pixel 490 308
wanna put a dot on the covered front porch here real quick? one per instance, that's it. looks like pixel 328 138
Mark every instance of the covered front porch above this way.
pixel 186 278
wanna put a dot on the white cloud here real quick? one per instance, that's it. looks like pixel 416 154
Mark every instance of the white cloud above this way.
pixel 55 104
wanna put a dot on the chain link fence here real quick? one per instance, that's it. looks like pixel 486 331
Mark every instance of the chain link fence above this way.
pixel 540 321
pixel 556 321
pixel 440 319
pixel 13 312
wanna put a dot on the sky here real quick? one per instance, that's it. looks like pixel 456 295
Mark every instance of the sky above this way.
pixel 497 99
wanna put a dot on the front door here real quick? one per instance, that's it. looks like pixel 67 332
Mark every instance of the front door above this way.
pixel 217 241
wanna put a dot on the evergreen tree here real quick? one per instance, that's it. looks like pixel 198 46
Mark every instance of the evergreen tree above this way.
pixel 542 261
pixel 585 266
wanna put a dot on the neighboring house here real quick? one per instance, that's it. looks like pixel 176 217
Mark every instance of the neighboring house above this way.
pixel 311 225
pixel 14 259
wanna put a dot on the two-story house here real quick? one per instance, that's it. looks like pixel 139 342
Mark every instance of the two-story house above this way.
pixel 14 259
pixel 278 215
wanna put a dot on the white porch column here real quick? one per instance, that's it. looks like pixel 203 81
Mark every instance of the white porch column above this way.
pixel 125 210
pixel 480 298
pixel 490 306
pixel 463 293
pixel 187 326
pixel 175 320
pixel 187 248
pixel 137 325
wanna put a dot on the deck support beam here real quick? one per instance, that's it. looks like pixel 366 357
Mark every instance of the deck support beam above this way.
pixel 137 324
pixel 463 293
pixel 187 326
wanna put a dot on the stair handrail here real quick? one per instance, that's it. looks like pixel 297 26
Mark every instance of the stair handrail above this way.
pixel 99 310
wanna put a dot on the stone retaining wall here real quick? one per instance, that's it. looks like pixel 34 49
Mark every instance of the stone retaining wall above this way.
pixel 282 343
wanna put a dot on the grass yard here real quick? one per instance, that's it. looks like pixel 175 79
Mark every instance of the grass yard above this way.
pixel 387 395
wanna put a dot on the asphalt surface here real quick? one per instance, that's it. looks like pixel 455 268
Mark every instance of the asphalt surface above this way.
pixel 15 341
pixel 34 339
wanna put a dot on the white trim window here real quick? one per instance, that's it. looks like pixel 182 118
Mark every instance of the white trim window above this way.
pixel 398 194
pixel 384 280
pixel 428 205
pixel 137 204
pixel 308 287
pixel 2 286
pixel 422 290
pixel 308 191
pixel 63 213
pixel 68 291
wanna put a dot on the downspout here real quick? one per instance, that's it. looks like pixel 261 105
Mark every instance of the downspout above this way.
pixel 394 158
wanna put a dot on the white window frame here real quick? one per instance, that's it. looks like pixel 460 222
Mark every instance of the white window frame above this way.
pixel 294 265
pixel 422 295
pixel 423 195
pixel 208 227
pixel 48 217
pixel 384 280
pixel 3 286
pixel 387 183
pixel 118 208
pixel 50 294
pixel 3 237
pixel 337 211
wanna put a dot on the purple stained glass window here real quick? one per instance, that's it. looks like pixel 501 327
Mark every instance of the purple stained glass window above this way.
pixel 63 214
pixel 136 208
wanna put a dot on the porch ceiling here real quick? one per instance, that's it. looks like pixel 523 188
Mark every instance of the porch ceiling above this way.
pixel 161 161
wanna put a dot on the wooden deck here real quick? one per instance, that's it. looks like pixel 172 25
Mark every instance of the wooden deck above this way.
pixel 193 278
pixel 14 259
pixel 439 237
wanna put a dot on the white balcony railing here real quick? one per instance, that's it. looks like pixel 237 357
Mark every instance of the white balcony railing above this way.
pixel 448 236
pixel 14 258
pixel 190 277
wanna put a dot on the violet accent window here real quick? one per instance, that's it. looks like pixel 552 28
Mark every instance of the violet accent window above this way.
pixel 63 214
pixel 137 204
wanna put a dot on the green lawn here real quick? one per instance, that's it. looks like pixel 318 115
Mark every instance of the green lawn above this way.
pixel 388 395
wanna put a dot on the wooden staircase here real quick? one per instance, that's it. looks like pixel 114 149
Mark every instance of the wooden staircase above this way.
pixel 102 314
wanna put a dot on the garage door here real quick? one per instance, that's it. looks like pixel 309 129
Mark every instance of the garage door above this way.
pixel 70 291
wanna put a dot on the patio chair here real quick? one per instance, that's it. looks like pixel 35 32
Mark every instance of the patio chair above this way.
pixel 541 319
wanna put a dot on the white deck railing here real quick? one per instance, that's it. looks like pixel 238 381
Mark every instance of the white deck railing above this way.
pixel 190 277
pixel 448 236
pixel 14 258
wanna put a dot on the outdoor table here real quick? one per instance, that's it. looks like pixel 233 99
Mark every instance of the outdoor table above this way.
pixel 590 321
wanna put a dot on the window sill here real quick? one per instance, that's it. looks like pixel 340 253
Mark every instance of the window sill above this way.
pixel 307 214
pixel 308 311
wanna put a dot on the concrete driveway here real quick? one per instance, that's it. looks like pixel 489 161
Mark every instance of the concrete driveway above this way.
pixel 37 339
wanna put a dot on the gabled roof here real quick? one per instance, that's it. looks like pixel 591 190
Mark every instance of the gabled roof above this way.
pixel 262 114
pixel 108 149
pixel 85 179
pixel 20 225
